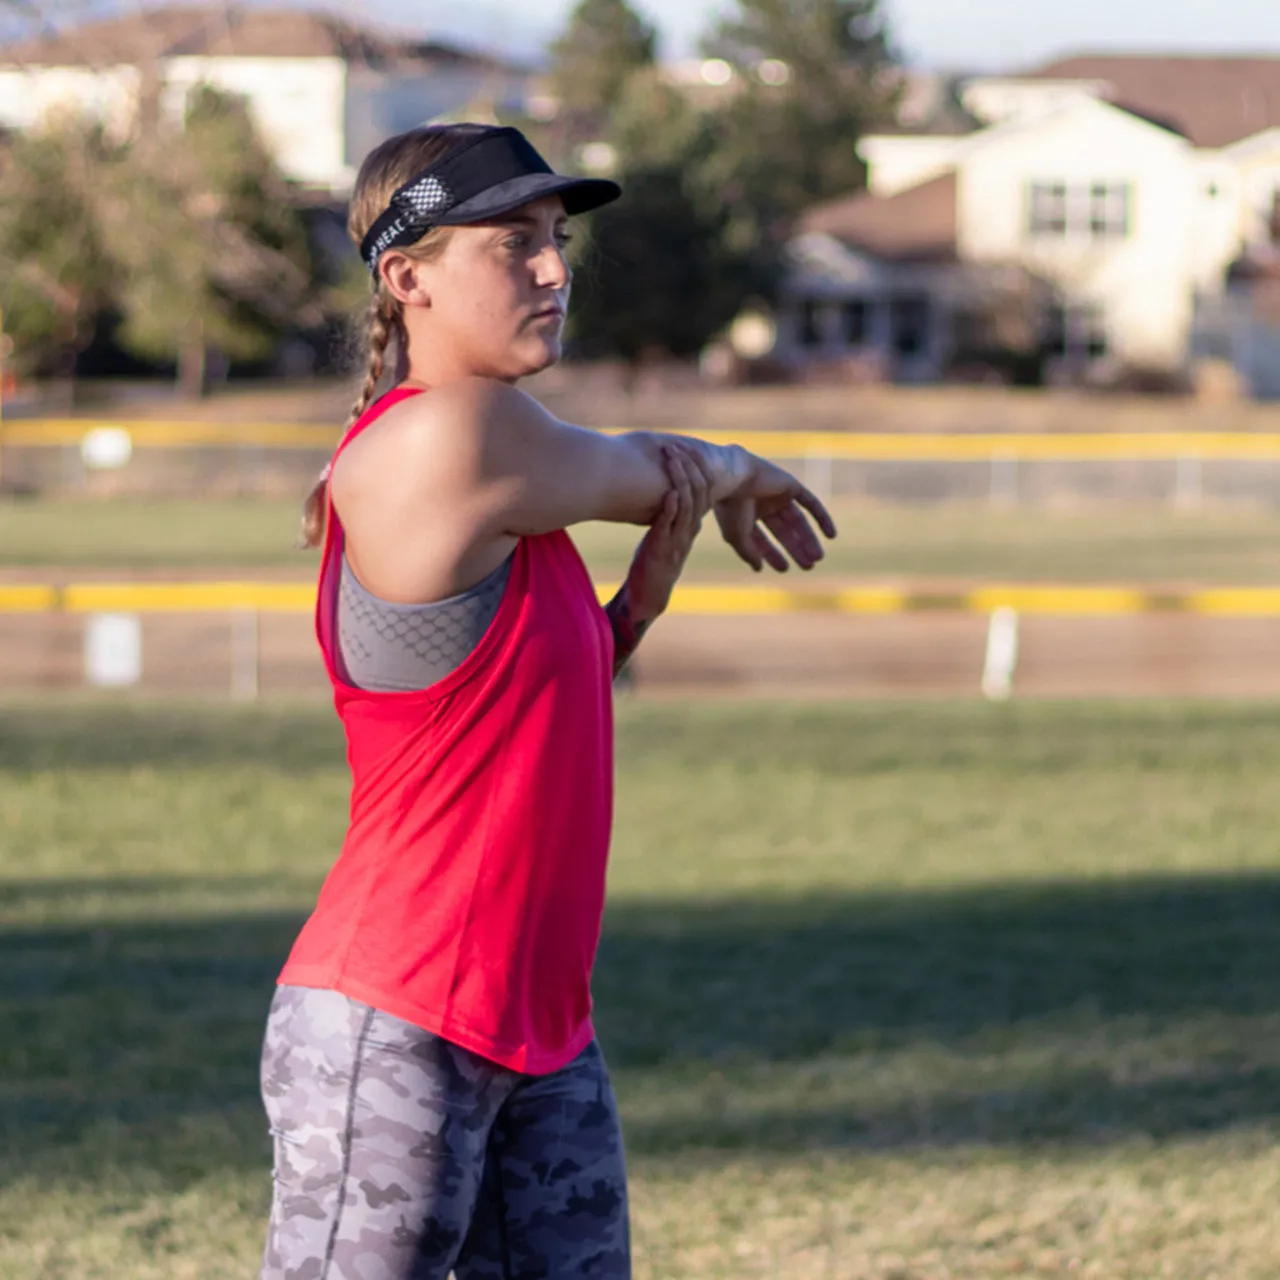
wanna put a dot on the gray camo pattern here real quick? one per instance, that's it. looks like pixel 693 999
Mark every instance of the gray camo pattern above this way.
pixel 400 1156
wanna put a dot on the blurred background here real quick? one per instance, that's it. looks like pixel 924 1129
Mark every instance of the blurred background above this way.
pixel 943 934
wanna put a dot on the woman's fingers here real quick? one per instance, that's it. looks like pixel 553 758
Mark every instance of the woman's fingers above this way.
pixel 737 525
pixel 670 512
pixel 793 531
pixel 696 459
pixel 768 552
pixel 673 503
pixel 813 505
pixel 700 482
pixel 699 504
pixel 685 479
pixel 685 529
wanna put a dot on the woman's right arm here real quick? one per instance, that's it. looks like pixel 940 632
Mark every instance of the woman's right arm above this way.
pixel 525 472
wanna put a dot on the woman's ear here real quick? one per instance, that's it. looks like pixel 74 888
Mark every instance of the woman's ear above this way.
pixel 402 276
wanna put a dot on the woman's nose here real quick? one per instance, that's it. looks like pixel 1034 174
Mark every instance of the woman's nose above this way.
pixel 553 271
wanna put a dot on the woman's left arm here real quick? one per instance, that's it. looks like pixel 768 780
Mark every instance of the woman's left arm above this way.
pixel 660 558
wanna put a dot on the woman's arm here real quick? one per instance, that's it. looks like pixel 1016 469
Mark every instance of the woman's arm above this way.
pixel 531 473
pixel 543 474
pixel 432 496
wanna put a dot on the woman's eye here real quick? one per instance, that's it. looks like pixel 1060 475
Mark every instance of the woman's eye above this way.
pixel 564 239
pixel 518 242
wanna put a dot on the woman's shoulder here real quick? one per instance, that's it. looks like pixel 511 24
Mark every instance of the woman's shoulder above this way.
pixel 464 407
pixel 445 434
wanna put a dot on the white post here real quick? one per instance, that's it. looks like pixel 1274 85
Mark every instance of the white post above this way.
pixel 244 654
pixel 112 650
pixel 1002 655
pixel 817 474
pixel 1004 479
pixel 1188 490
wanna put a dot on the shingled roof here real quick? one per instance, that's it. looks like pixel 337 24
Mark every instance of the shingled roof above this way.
pixel 218 31
pixel 915 225
pixel 1213 101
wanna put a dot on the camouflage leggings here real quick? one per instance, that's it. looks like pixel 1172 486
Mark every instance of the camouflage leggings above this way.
pixel 399 1156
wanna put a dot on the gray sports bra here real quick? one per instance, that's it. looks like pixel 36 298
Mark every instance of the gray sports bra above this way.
pixel 395 648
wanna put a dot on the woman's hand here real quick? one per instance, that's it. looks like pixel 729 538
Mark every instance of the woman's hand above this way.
pixel 771 499
pixel 661 556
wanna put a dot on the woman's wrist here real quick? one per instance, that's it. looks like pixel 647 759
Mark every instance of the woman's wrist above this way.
pixel 729 467
pixel 633 598
pixel 741 467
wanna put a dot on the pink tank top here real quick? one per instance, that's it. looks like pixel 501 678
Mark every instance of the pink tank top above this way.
pixel 468 895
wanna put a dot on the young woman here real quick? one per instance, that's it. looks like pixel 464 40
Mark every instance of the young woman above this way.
pixel 435 1092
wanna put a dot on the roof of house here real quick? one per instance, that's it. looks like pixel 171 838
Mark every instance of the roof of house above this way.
pixel 915 225
pixel 219 31
pixel 1213 101
pixel 929 105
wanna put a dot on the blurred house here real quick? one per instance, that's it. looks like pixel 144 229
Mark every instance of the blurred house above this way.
pixel 1102 211
pixel 322 91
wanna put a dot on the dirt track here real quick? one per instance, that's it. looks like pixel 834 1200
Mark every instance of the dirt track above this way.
pixel 796 655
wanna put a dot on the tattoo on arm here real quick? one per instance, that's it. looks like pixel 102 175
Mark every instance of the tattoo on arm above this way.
pixel 628 631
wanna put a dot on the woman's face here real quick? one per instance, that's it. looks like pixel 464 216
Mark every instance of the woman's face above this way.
pixel 499 291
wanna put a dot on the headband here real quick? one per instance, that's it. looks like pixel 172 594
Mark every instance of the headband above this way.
pixel 489 175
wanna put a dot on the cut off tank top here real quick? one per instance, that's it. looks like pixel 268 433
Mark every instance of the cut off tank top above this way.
pixel 469 890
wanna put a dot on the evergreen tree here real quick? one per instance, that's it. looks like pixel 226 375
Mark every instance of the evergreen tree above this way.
pixel 658 279
pixel 814 76
pixel 605 43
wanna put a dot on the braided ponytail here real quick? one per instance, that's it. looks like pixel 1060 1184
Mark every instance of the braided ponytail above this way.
pixel 387 167
pixel 382 323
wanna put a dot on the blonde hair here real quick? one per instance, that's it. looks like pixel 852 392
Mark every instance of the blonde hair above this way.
pixel 386 168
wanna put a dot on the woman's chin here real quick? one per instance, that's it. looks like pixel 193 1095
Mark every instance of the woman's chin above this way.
pixel 541 354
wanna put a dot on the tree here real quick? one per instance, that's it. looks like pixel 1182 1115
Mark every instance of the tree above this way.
pixel 814 76
pixel 216 255
pixel 657 279
pixel 63 274
pixel 605 43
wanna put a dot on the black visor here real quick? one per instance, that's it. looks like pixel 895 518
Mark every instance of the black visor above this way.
pixel 496 172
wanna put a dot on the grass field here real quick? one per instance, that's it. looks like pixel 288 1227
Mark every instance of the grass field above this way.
pixel 890 992
pixel 1125 544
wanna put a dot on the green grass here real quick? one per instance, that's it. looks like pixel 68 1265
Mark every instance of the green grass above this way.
pixel 1129 544
pixel 144 534
pixel 891 992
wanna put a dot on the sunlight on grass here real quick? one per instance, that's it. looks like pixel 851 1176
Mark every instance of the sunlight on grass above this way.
pixel 888 991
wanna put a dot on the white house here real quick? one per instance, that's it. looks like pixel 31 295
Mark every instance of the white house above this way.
pixel 322 91
pixel 1118 210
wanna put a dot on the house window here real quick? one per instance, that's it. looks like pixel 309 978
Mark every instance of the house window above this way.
pixel 1109 210
pixel 853 322
pixel 909 324
pixel 1048 208
pixel 1080 211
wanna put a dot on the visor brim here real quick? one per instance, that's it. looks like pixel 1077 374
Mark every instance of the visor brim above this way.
pixel 580 195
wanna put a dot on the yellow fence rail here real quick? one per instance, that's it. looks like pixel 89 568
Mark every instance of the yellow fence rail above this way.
pixel 1030 599
pixel 835 445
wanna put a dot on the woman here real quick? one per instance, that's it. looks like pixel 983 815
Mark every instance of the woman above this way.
pixel 435 1091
